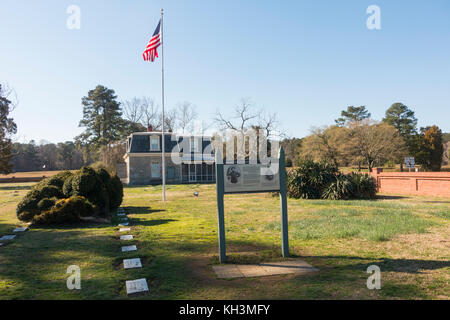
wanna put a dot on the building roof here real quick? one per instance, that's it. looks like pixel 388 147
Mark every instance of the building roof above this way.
pixel 140 142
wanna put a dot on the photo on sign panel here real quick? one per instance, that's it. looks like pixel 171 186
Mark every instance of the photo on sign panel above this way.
pixel 234 175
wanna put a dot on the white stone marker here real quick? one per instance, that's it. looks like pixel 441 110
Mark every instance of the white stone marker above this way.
pixel 129 248
pixel 124 219
pixel 136 286
pixel 127 237
pixel 132 263
pixel 20 229
pixel 121 214
pixel 125 229
pixel 8 237
pixel 1 244
pixel 123 224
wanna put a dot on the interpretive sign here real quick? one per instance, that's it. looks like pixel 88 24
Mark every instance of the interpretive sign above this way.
pixel 245 178
pixel 251 178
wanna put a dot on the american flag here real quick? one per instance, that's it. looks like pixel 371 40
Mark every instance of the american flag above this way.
pixel 150 52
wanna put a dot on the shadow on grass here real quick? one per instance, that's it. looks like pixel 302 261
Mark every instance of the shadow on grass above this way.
pixel 142 210
pixel 149 223
pixel 413 266
pixel 386 197
pixel 36 266
pixel 7 229
pixel 15 187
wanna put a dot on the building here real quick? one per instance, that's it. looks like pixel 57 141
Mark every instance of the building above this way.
pixel 189 159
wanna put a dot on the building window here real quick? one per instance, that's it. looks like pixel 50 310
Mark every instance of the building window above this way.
pixel 154 143
pixel 156 170
pixel 171 172
pixel 193 145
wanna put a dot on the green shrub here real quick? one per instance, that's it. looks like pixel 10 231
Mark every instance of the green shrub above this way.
pixel 103 175
pixel 101 165
pixel 84 181
pixel 30 202
pixel 309 179
pixel 364 186
pixel 27 215
pixel 65 211
pixel 96 189
pixel 46 204
pixel 58 179
pixel 67 187
pixel 115 192
pixel 340 189
pixel 312 180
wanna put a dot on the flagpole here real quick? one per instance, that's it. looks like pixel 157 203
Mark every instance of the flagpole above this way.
pixel 162 94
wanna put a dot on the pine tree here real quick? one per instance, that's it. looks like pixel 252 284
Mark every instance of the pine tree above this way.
pixel 102 118
pixel 352 114
pixel 7 128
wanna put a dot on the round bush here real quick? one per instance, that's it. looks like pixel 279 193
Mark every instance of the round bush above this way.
pixel 29 202
pixel 59 179
pixel 67 187
pixel 364 186
pixel 65 211
pixel 84 181
pixel 45 204
pixel 36 194
pixel 340 189
pixel 115 192
pixel 309 179
pixel 90 192
pixel 103 175
pixel 27 215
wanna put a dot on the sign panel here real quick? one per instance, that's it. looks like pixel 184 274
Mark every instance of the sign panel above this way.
pixel 251 178
pixel 247 178
pixel 410 162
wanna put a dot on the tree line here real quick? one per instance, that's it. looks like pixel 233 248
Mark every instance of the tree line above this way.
pixel 46 156
pixel 355 139
pixel 107 122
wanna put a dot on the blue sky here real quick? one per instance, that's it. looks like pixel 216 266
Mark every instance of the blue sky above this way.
pixel 305 60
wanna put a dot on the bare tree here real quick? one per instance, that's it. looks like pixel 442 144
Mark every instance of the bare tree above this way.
pixel 186 114
pixel 150 114
pixel 170 120
pixel 374 142
pixel 133 109
pixel 241 119
pixel 245 116
pixel 268 122
pixel 201 127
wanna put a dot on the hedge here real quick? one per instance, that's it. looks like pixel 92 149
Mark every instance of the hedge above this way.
pixel 67 196
pixel 316 180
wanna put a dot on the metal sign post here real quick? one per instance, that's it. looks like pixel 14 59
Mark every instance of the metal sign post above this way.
pixel 283 205
pixel 220 209
pixel 236 183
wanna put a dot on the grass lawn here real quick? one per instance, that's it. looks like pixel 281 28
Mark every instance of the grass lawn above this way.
pixel 407 237
pixel 31 174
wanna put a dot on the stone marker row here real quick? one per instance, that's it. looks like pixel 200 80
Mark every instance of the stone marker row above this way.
pixel 133 287
pixel 12 236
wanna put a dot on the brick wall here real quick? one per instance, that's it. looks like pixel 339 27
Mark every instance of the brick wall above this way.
pixel 413 183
